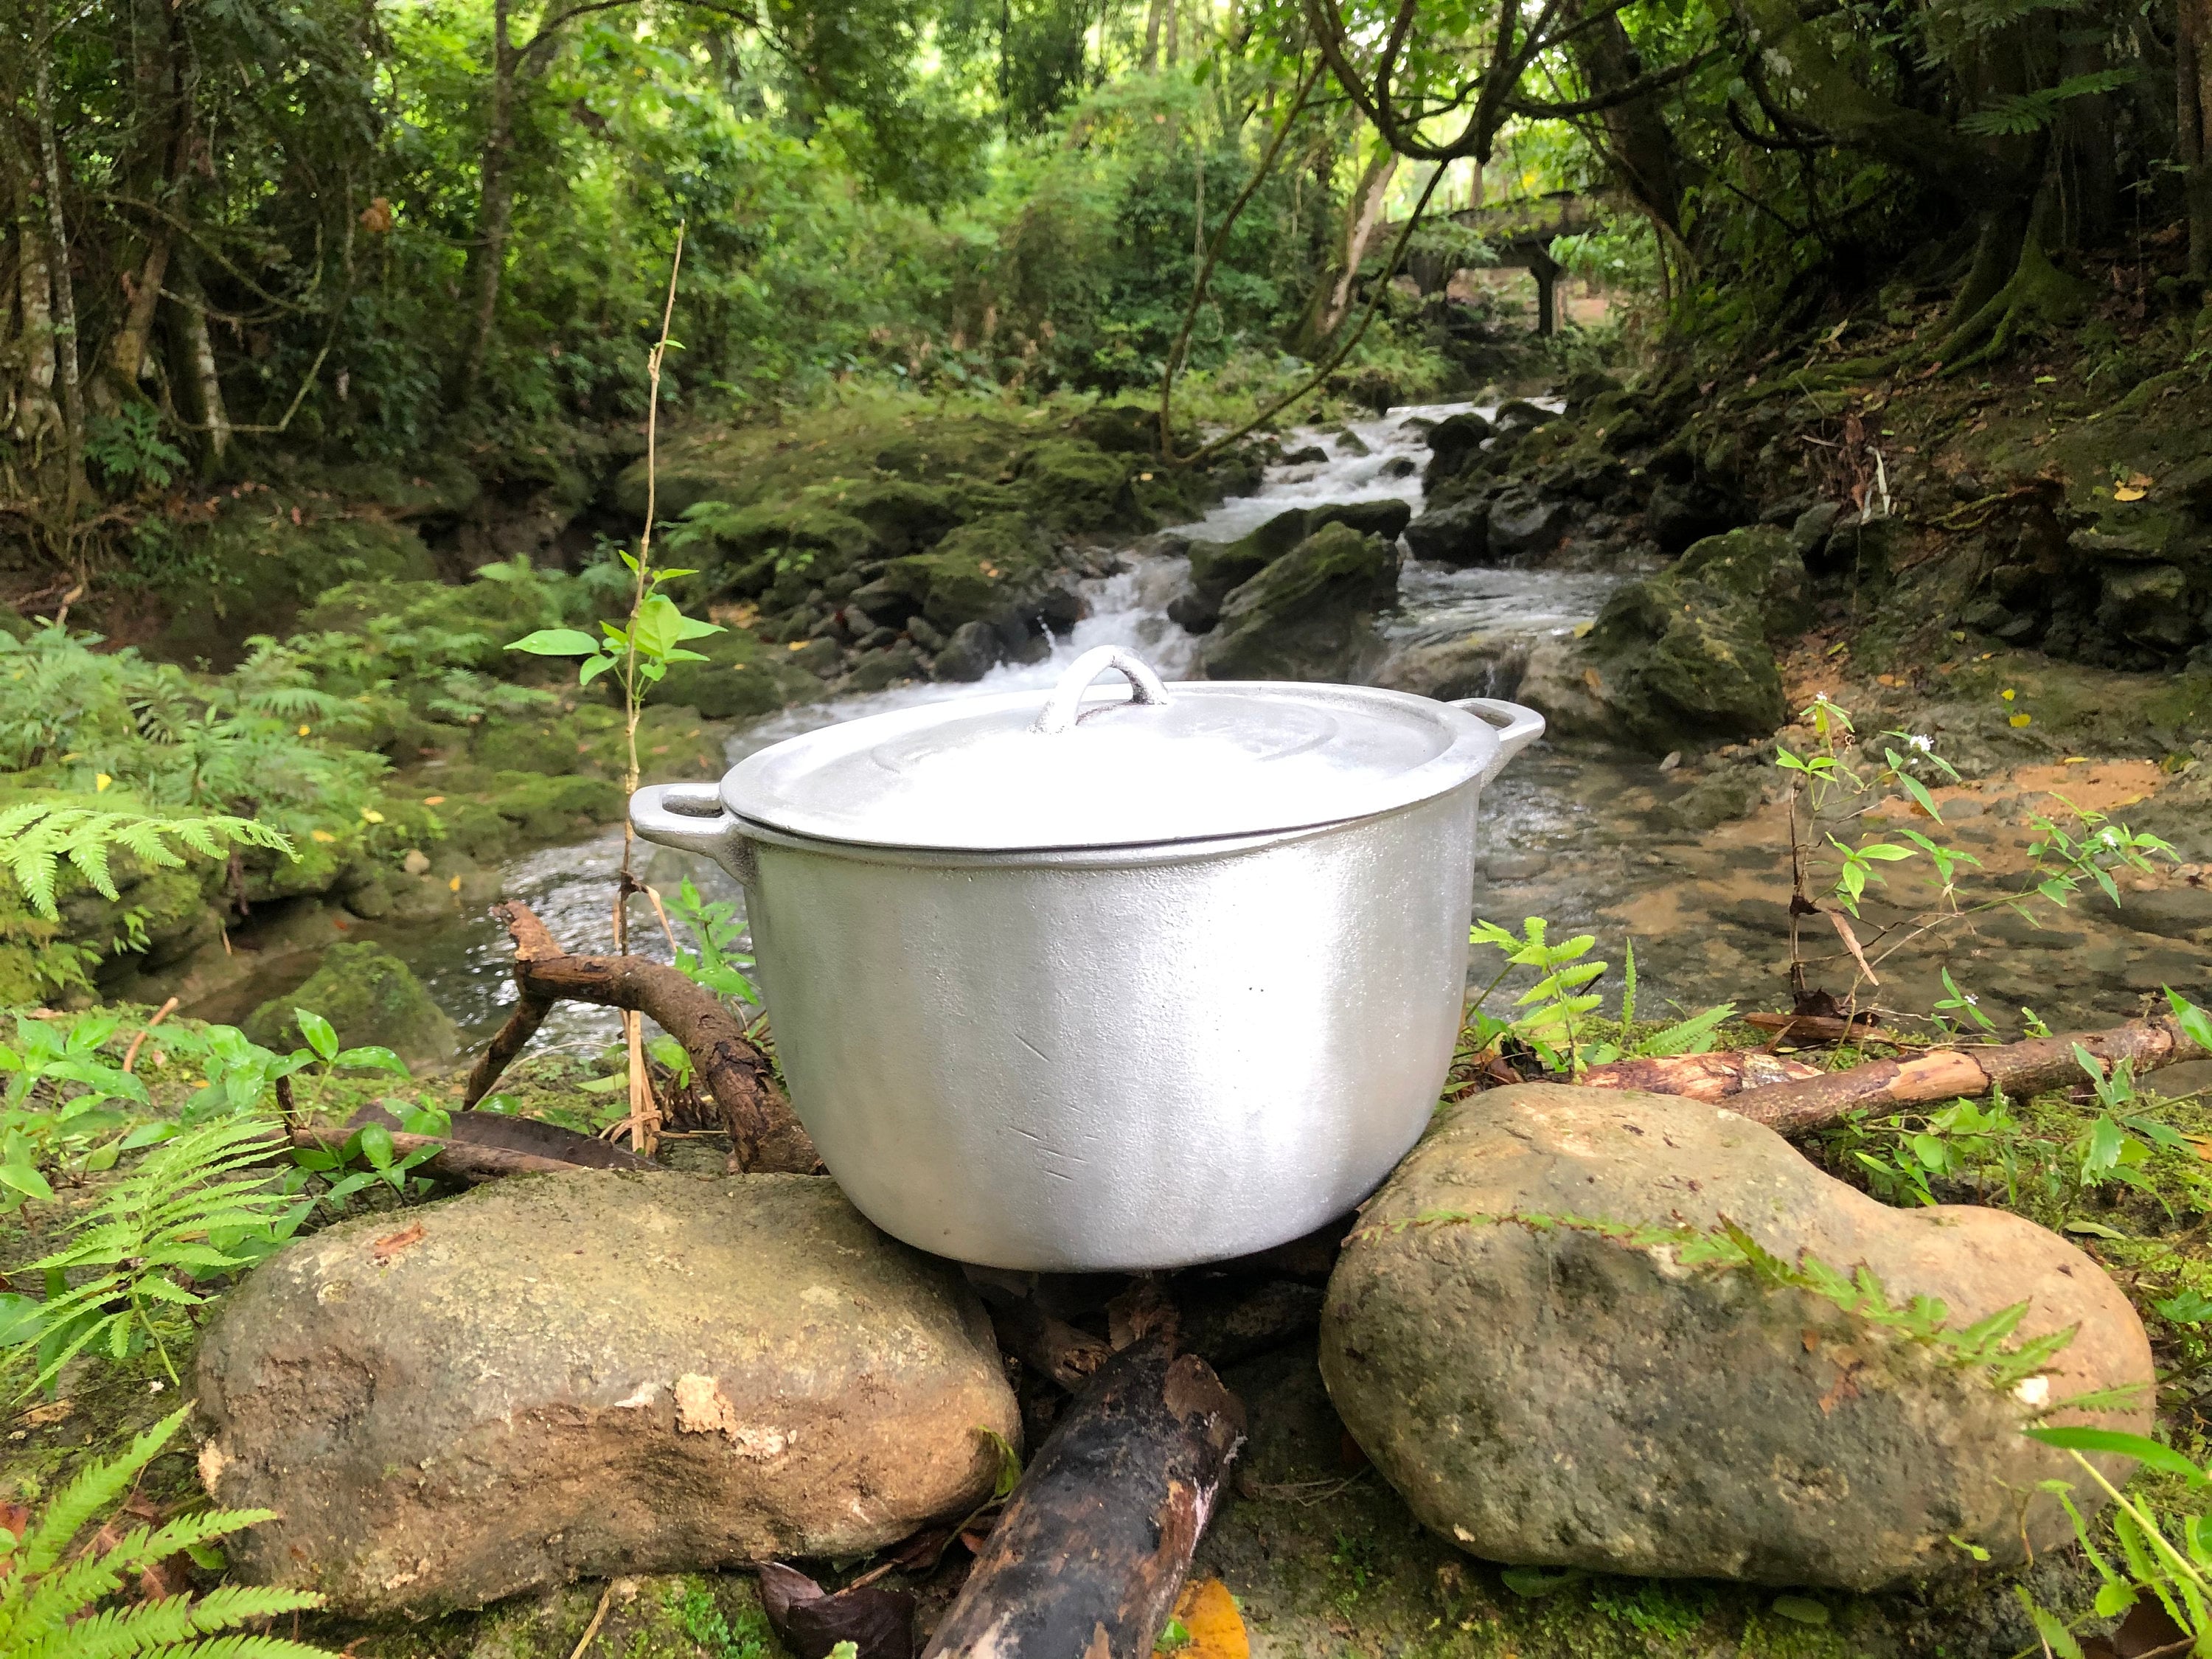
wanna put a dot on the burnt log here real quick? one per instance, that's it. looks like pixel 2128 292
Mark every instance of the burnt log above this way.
pixel 1095 1541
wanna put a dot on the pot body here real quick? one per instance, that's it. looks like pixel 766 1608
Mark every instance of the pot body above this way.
pixel 1121 1059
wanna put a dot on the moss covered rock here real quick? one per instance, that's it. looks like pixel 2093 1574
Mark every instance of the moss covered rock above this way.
pixel 1309 616
pixel 371 997
pixel 1704 1413
pixel 978 572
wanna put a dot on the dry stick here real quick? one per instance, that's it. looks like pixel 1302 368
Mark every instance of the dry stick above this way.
pixel 1049 1345
pixel 130 1055
pixel 599 1618
pixel 1381 287
pixel 644 1111
pixel 2018 1068
pixel 764 1134
pixel 1094 1545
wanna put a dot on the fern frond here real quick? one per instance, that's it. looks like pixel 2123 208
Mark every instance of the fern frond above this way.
pixel 94 1490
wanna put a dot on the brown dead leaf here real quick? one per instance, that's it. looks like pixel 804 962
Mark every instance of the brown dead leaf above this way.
pixel 1208 1611
pixel 388 1248
pixel 52 1412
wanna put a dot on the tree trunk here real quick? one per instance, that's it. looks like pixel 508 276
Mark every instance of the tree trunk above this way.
pixel 207 383
pixel 1640 149
pixel 1173 31
pixel 129 356
pixel 1151 60
pixel 2192 76
pixel 495 202
pixel 1363 213
pixel 66 360
pixel 36 414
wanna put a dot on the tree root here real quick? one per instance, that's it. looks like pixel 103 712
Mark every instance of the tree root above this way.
pixel 764 1135
pixel 2037 295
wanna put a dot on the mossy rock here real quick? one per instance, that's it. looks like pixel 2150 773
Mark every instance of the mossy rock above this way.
pixel 976 573
pixel 902 516
pixel 742 679
pixel 253 570
pixel 1757 564
pixel 1070 485
pixel 1308 615
pixel 370 997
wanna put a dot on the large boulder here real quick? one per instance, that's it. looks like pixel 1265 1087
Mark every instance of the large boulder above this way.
pixel 1592 1329
pixel 372 998
pixel 1310 615
pixel 1216 567
pixel 1687 655
pixel 588 1374
pixel 1454 443
pixel 1524 524
pixel 1456 535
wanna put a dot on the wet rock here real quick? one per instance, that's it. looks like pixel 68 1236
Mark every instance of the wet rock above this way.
pixel 1309 455
pixel 1217 566
pixel 1475 666
pixel 901 515
pixel 577 1375
pixel 1455 535
pixel 976 572
pixel 1702 1414
pixel 886 665
pixel 1759 566
pixel 1524 524
pixel 921 631
pixel 1349 442
pixel 2150 604
pixel 1735 792
pixel 1387 519
pixel 1193 612
pixel 1308 615
pixel 1454 444
pixel 973 650
pixel 1809 532
pixel 1399 466
pixel 1520 413
pixel 372 998
pixel 1684 511
pixel 1562 683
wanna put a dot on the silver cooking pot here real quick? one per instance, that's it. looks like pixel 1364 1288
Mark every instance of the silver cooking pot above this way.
pixel 1098 982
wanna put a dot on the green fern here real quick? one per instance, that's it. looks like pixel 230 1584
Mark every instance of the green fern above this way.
pixel 183 1211
pixel 37 835
pixel 48 1605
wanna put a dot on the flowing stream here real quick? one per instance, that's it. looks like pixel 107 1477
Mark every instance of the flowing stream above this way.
pixel 1588 838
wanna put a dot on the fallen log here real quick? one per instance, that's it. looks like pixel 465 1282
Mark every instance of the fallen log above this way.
pixel 764 1135
pixel 457 1159
pixel 2018 1068
pixel 1047 1345
pixel 1714 1076
pixel 1095 1541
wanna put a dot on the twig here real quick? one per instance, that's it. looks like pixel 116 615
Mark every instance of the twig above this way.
pixel 599 1618
pixel 130 1055
pixel 764 1134
pixel 459 1159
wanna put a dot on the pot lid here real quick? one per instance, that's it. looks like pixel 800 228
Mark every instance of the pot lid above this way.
pixel 1100 767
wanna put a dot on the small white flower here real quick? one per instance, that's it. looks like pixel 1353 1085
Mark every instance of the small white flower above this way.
pixel 1972 1001
pixel 1922 742
pixel 2110 835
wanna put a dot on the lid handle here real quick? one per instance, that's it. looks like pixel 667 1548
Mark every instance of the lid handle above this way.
pixel 1065 702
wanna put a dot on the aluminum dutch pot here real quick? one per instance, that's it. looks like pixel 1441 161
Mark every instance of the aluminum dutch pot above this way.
pixel 1094 982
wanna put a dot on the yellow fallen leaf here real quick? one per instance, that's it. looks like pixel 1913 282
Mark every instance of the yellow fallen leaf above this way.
pixel 305 730
pixel 2008 694
pixel 434 800
pixel 99 782
pixel 1144 477
pixel 372 814
pixel 454 885
pixel 2075 760
pixel 1208 1611
pixel 2128 493
pixel 799 645
pixel 320 834
pixel 2020 719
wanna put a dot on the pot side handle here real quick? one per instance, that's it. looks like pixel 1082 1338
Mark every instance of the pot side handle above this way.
pixel 691 817
pixel 1517 727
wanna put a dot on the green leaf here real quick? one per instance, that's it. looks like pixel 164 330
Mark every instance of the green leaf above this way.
pixel 25 1180
pixel 556 642
pixel 376 1146
pixel 2196 1024
pixel 318 1032
pixel 373 1056
pixel 2118 1443
pixel 1802 1609
pixel 2095 1229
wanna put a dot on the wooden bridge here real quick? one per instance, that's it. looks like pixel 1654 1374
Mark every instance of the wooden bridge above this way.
pixel 1521 234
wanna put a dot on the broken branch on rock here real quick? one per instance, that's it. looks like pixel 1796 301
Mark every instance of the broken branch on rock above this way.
pixel 2018 1068
pixel 764 1135
pixel 1096 1540
pixel 457 1159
